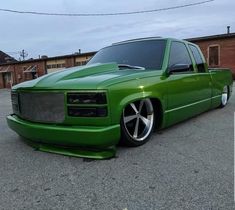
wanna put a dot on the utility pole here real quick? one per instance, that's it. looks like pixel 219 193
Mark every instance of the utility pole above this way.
pixel 23 54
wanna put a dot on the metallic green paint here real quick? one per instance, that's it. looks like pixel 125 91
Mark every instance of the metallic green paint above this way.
pixel 86 136
pixel 104 153
pixel 181 96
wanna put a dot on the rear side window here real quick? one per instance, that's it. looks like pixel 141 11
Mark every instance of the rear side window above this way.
pixel 179 55
pixel 198 58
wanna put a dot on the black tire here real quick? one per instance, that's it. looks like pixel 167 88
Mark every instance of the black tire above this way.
pixel 224 97
pixel 137 123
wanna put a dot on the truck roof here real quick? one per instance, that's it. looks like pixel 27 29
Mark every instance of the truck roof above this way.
pixel 148 38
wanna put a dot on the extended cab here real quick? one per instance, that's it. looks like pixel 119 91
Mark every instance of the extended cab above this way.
pixel 125 91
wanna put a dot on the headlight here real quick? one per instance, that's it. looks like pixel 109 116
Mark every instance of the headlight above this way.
pixel 87 104
pixel 75 111
pixel 86 98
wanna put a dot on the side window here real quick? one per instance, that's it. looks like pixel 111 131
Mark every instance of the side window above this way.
pixel 179 55
pixel 198 58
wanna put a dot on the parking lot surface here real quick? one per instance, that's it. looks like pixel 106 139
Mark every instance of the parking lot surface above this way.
pixel 187 166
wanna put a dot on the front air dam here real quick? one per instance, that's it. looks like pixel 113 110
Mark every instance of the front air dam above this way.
pixel 82 141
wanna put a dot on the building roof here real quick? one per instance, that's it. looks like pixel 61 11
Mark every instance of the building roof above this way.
pixel 67 56
pixel 218 36
pixel 5 58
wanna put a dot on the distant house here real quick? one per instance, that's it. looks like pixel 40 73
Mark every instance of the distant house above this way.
pixel 5 73
pixel 219 50
pixel 5 58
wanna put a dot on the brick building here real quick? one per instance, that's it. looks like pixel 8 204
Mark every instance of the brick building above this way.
pixel 17 72
pixel 218 50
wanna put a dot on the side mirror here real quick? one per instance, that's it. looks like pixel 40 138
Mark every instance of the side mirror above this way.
pixel 178 68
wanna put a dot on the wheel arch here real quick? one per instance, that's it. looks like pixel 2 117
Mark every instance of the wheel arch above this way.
pixel 158 112
pixel 157 105
pixel 229 91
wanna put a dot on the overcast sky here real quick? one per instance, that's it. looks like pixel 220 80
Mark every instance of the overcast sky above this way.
pixel 53 35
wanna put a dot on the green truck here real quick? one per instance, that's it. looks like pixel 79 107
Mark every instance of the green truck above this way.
pixel 124 93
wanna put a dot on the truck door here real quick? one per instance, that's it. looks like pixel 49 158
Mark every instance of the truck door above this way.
pixel 203 76
pixel 184 91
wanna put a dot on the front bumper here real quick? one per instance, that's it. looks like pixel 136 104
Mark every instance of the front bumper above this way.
pixel 70 137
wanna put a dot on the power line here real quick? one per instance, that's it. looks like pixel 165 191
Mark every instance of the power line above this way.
pixel 105 14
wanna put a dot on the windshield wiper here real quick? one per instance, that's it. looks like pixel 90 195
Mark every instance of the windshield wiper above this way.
pixel 130 66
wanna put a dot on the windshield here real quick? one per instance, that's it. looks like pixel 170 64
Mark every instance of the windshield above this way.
pixel 148 54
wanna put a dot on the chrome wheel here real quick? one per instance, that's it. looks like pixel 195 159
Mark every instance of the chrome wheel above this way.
pixel 224 97
pixel 138 120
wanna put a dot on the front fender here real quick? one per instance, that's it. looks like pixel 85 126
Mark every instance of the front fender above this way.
pixel 117 108
pixel 124 93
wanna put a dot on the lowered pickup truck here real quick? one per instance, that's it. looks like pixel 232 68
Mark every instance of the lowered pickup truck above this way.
pixel 126 91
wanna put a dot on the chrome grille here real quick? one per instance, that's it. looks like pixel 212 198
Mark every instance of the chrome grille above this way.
pixel 42 107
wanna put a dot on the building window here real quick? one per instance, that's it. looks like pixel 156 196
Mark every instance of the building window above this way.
pixel 213 57
pixel 7 77
pixel 78 63
pixel 54 66
pixel 61 65
pixel 28 76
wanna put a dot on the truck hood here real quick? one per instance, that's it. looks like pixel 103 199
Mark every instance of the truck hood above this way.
pixel 96 76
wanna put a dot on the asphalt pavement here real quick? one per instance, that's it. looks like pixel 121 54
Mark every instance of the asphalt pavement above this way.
pixel 187 166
